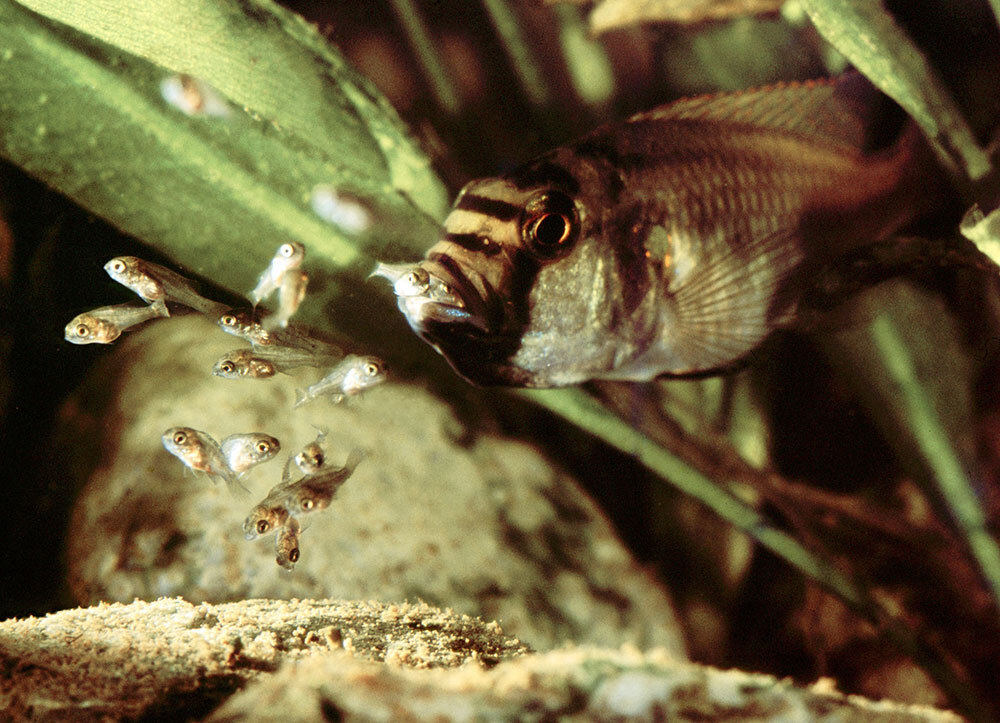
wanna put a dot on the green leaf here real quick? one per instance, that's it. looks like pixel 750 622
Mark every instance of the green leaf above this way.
pixel 871 39
pixel 90 119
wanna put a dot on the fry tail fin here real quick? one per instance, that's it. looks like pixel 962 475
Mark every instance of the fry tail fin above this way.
pixel 300 398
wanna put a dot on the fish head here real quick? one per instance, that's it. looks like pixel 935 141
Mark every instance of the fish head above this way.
pixel 289 255
pixel 243 323
pixel 365 372
pixel 128 271
pixel 264 519
pixel 311 458
pixel 188 445
pixel 88 329
pixel 262 447
pixel 309 498
pixel 529 278
pixel 240 364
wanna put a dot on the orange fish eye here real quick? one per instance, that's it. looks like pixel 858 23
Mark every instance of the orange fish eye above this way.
pixel 307 504
pixel 262 527
pixel 227 367
pixel 180 438
pixel 293 554
pixel 118 266
pixel 371 369
pixel 82 330
pixel 263 447
pixel 229 320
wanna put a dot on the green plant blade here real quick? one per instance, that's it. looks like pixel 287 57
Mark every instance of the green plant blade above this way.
pixel 871 39
pixel 91 121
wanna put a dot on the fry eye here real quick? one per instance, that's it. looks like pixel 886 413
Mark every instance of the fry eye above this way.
pixel 307 504
pixel 227 367
pixel 371 369
pixel 229 320
pixel 286 250
pixel 118 266
pixel 293 554
pixel 82 330
pixel 263 447
pixel 180 438
pixel 262 526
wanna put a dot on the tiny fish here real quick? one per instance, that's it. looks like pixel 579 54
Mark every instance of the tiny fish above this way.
pixel 341 210
pixel 289 256
pixel 243 323
pixel 157 284
pixel 314 492
pixel 266 517
pixel 312 456
pixel 243 451
pixel 193 97
pixel 104 325
pixel 243 364
pixel 351 376
pixel 672 243
pixel 411 280
pixel 199 451
pixel 290 295
pixel 286 544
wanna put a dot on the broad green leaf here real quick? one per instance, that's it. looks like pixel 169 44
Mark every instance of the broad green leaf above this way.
pixel 272 62
pixel 872 40
pixel 614 14
pixel 216 194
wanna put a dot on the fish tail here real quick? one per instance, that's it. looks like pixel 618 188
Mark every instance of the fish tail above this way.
pixel 160 307
pixel 354 459
pixel 300 398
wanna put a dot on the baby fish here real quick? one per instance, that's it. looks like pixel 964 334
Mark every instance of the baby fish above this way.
pixel 314 492
pixel 290 295
pixel 671 243
pixel 193 97
pixel 243 451
pixel 157 284
pixel 266 517
pixel 350 377
pixel 341 210
pixel 411 280
pixel 104 325
pixel 289 256
pixel 201 452
pixel 312 456
pixel 243 364
pixel 242 323
pixel 286 544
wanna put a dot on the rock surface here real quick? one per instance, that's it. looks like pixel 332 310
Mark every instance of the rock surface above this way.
pixel 331 660
pixel 486 527
pixel 175 659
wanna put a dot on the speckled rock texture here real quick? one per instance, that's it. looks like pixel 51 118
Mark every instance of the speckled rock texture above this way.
pixel 486 527
pixel 173 659
pixel 266 660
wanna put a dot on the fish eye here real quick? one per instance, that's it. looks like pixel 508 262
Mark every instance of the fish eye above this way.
pixel 229 320
pixel 371 369
pixel 118 265
pixel 263 447
pixel 550 224
pixel 293 554
pixel 228 367
pixel 262 526
pixel 307 504
pixel 180 438
pixel 286 250
pixel 82 330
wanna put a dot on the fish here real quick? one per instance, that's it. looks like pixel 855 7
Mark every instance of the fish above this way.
pixel 312 456
pixel 243 364
pixel 194 97
pixel 242 323
pixel 157 285
pixel 343 211
pixel 350 377
pixel 673 243
pixel 199 451
pixel 244 451
pixel 288 257
pixel 265 517
pixel 104 325
pixel 286 544
pixel 315 491
pixel 291 292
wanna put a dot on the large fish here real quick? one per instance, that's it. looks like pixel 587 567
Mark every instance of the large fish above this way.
pixel 671 243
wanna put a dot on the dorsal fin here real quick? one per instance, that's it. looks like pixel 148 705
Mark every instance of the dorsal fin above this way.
pixel 840 110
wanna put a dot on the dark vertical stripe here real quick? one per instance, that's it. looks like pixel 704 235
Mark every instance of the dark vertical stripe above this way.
pixel 500 210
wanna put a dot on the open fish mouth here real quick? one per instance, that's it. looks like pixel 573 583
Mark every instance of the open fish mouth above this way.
pixel 434 296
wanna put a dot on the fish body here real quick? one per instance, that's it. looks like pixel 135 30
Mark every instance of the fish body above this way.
pixel 312 456
pixel 199 451
pixel 266 516
pixel 243 364
pixel 157 285
pixel 315 491
pixel 243 323
pixel 104 325
pixel 351 376
pixel 286 544
pixel 672 243
pixel 244 451
pixel 288 257
pixel 291 292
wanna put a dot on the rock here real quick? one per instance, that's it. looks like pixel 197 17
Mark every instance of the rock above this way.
pixel 487 528
pixel 170 658
pixel 589 684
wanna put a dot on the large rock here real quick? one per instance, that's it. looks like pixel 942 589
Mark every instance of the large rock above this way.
pixel 488 528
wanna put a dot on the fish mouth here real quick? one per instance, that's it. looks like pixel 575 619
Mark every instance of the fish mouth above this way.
pixel 448 295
